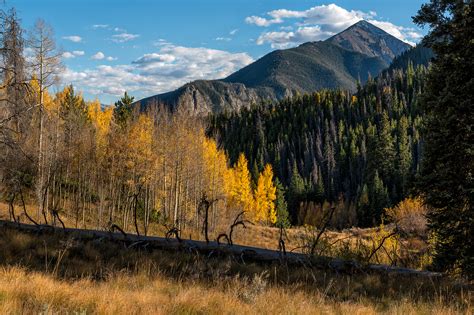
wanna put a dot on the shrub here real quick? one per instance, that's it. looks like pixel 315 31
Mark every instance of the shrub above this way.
pixel 410 216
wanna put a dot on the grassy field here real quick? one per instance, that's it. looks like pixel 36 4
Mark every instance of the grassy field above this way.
pixel 44 273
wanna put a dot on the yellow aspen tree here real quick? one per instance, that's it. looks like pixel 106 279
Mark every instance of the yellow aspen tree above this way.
pixel 101 120
pixel 140 141
pixel 218 174
pixel 241 193
pixel 48 103
pixel 260 202
pixel 265 195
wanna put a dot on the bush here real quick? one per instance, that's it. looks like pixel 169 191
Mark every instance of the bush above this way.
pixel 410 216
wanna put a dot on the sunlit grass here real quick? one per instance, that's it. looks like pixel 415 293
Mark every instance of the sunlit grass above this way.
pixel 32 292
pixel 99 276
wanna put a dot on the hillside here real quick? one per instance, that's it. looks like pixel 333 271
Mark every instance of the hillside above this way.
pixel 308 67
pixel 211 96
pixel 418 55
pixel 338 62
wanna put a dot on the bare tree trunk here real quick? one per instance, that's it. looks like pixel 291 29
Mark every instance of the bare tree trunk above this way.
pixel 176 200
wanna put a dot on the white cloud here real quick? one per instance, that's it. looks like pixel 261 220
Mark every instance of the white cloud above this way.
pixel 155 57
pixel 109 27
pixel 73 54
pixel 161 42
pixel 101 56
pixel 414 34
pixel 287 39
pixel 73 38
pixel 223 39
pixel 233 32
pixel 78 52
pixel 190 63
pixel 97 26
pixel 260 21
pixel 319 23
pixel 164 70
pixel 68 55
pixel 98 56
pixel 124 37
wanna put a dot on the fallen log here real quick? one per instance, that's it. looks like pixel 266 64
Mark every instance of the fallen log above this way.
pixel 245 253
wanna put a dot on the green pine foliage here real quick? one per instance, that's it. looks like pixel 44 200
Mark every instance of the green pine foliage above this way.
pixel 281 205
pixel 331 144
pixel 123 109
pixel 447 175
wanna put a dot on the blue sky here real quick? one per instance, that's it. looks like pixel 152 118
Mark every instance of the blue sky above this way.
pixel 148 47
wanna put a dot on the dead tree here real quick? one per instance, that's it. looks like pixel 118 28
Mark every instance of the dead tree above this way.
pixel 173 231
pixel 45 63
pixel 205 204
pixel 11 207
pixel 380 245
pixel 237 221
pixel 223 235
pixel 113 227
pixel 135 204
pixel 55 214
pixel 327 220
pixel 24 209
pixel 281 241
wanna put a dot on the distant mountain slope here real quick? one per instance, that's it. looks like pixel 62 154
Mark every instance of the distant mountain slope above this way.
pixel 370 40
pixel 308 67
pixel 418 55
pixel 202 97
pixel 335 63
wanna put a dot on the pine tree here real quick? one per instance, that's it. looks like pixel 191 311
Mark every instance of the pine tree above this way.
pixel 404 156
pixel 123 109
pixel 296 191
pixel 255 173
pixel 281 206
pixel 446 180
pixel 378 199
pixel 385 149
pixel 363 207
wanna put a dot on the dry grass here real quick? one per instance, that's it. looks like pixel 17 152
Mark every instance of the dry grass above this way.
pixel 32 292
pixel 42 273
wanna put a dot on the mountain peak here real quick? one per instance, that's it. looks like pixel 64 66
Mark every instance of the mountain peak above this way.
pixel 367 26
pixel 364 23
pixel 366 38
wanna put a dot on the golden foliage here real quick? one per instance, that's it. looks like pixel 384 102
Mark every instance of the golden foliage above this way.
pixel 48 102
pixel 354 99
pixel 241 191
pixel 101 120
pixel 139 149
pixel 265 195
pixel 409 214
pixel 216 170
